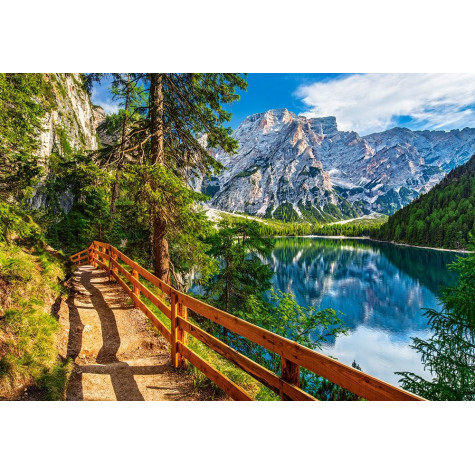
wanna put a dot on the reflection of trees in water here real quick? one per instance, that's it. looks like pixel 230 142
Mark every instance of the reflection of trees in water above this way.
pixel 421 263
pixel 450 353
pixel 369 282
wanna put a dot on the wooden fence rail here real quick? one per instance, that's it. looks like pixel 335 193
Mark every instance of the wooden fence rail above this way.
pixel 175 304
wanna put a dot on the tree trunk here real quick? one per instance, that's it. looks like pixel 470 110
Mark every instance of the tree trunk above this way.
pixel 161 254
pixel 159 229
pixel 115 191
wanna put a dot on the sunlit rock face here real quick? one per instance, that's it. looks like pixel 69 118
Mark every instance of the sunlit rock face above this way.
pixel 292 165
pixel 71 112
pixel 69 124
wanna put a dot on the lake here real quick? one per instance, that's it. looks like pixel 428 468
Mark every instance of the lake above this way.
pixel 380 288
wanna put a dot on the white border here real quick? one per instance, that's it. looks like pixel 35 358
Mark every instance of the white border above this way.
pixel 251 36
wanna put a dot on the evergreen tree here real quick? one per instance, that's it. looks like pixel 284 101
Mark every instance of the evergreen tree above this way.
pixel 239 248
pixel 443 217
pixel 449 354
pixel 167 145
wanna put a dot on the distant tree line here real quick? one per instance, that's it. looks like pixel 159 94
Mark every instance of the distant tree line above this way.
pixel 444 217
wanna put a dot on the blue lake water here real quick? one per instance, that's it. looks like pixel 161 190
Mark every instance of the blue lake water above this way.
pixel 380 288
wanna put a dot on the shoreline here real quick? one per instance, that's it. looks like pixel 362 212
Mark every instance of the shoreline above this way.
pixel 379 240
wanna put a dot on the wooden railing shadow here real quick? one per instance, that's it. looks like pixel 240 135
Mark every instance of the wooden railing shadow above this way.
pixel 174 306
pixel 121 374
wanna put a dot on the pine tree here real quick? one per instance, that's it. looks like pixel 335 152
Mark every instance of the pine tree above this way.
pixel 167 145
pixel 449 354
pixel 239 247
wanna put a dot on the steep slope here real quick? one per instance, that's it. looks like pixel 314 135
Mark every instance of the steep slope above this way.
pixel 69 126
pixel 441 218
pixel 307 168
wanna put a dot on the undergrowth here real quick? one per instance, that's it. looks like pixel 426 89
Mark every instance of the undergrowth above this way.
pixel 30 281
pixel 201 382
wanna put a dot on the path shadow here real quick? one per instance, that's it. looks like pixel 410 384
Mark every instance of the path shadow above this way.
pixel 76 328
pixel 122 377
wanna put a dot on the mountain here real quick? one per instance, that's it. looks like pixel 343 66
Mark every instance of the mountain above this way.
pixel 441 218
pixel 293 167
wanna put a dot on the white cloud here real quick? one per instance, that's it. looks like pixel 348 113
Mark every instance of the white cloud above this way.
pixel 378 353
pixel 370 103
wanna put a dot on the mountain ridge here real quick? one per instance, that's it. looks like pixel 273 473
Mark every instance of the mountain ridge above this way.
pixel 308 169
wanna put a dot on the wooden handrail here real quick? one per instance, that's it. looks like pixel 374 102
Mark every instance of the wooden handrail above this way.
pixel 174 304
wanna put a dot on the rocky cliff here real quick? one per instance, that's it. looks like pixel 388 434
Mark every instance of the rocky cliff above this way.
pixel 69 126
pixel 297 167
pixel 71 112
pixel 278 172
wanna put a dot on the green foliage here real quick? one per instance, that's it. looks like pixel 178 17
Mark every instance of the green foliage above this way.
pixel 273 227
pixel 449 354
pixel 23 101
pixel 15 224
pixel 241 287
pixel 254 388
pixel 281 314
pixel 357 228
pixel 239 248
pixel 153 160
pixel 87 185
pixel 313 214
pixel 443 217
pixel 286 213
pixel 307 326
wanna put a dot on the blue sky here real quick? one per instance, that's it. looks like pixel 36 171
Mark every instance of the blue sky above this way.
pixel 365 103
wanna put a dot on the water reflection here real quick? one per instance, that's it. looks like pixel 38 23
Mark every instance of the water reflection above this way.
pixel 381 289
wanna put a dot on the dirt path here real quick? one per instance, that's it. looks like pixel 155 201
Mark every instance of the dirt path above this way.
pixel 117 355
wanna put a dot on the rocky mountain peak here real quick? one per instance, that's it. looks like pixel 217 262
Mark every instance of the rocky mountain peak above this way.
pixel 324 125
pixel 298 167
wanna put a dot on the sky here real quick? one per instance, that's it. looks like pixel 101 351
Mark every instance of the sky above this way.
pixel 364 103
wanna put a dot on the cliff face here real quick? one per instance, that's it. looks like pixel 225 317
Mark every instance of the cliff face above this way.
pixel 72 112
pixel 68 126
pixel 278 172
pixel 308 167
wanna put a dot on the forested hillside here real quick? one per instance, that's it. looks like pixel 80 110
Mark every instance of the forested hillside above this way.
pixel 443 217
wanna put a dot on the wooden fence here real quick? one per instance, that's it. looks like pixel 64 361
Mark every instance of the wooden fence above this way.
pixel 174 304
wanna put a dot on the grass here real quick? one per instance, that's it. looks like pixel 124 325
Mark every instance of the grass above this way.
pixel 30 281
pixel 253 387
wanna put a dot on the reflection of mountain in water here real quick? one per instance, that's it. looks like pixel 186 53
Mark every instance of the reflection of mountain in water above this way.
pixel 377 284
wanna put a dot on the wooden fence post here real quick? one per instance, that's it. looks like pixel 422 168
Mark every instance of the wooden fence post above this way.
pixel 114 267
pixel 182 312
pixel 291 373
pixel 112 257
pixel 135 275
pixel 109 253
pixel 174 327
